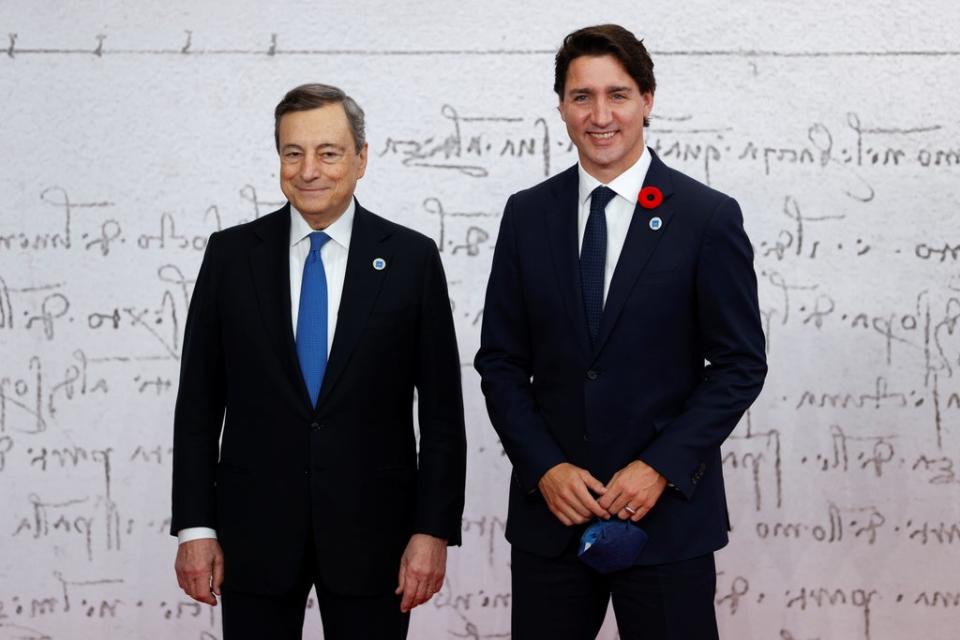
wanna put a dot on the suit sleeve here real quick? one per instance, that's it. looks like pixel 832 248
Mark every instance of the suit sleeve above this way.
pixel 198 416
pixel 441 476
pixel 731 336
pixel 504 363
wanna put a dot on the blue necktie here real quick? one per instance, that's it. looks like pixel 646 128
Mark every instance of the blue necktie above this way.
pixel 593 258
pixel 312 318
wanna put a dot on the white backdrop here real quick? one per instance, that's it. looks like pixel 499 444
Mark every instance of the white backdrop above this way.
pixel 132 130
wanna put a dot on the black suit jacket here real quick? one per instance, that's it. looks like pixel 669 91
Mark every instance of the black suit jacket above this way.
pixel 681 294
pixel 348 468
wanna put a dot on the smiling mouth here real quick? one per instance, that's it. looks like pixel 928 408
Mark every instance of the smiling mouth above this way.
pixel 604 135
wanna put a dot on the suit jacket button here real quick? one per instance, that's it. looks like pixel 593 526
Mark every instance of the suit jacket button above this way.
pixel 315 426
pixel 592 375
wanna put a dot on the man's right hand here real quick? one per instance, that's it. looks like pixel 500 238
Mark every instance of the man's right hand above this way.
pixel 200 569
pixel 566 488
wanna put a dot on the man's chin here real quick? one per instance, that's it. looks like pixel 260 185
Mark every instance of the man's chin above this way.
pixel 312 208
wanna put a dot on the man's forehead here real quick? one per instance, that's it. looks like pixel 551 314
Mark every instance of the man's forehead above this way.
pixel 327 123
pixel 328 114
pixel 592 71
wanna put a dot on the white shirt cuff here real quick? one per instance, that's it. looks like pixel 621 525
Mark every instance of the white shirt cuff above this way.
pixel 195 533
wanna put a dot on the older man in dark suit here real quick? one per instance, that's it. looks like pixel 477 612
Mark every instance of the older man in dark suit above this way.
pixel 612 284
pixel 310 328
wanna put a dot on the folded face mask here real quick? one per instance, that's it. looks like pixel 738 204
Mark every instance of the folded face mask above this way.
pixel 611 545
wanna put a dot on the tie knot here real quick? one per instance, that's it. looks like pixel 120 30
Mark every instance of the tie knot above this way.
pixel 601 197
pixel 317 240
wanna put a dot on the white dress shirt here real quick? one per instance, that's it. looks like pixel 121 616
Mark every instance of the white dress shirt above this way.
pixel 334 256
pixel 619 210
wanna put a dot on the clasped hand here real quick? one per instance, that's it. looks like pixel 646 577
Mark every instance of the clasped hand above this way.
pixel 630 495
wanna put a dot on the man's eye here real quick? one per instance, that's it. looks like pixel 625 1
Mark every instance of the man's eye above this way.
pixel 291 155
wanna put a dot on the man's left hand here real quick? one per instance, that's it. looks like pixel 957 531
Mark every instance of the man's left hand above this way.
pixel 422 567
pixel 637 486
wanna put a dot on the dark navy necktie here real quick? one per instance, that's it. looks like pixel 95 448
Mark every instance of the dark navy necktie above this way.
pixel 593 258
pixel 312 318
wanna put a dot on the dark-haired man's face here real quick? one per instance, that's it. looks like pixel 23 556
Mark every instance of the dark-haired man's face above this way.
pixel 604 110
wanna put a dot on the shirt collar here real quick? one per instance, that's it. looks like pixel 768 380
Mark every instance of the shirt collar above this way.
pixel 339 231
pixel 626 185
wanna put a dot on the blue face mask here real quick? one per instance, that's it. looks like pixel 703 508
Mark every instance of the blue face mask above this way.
pixel 611 545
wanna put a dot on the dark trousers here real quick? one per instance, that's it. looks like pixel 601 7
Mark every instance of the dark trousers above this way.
pixel 252 616
pixel 564 599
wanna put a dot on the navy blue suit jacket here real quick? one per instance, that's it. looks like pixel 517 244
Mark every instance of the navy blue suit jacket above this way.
pixel 681 294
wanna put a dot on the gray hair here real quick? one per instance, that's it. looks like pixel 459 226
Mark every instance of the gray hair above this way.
pixel 313 96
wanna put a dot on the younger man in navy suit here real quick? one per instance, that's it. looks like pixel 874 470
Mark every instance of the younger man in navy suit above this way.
pixel 612 283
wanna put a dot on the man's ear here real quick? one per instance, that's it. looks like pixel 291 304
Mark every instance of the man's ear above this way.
pixel 648 103
pixel 362 159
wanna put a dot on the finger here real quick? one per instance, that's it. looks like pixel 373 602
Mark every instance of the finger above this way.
pixel 607 499
pixel 620 504
pixel 574 517
pixel 595 485
pixel 571 499
pixel 409 593
pixel 435 584
pixel 206 594
pixel 217 574
pixel 566 516
pixel 639 514
pixel 422 595
pixel 561 517
pixel 574 506
pixel 587 501
pixel 200 590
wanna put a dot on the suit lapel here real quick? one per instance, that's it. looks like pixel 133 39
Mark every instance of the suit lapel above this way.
pixel 637 248
pixel 270 263
pixel 361 286
pixel 562 234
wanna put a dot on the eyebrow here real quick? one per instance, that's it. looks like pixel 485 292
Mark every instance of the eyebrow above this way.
pixel 616 89
pixel 322 145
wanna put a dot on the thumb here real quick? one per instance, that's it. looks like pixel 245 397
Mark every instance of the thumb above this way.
pixel 401 579
pixel 217 574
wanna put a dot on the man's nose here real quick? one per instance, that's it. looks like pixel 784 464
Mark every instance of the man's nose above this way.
pixel 601 114
pixel 310 169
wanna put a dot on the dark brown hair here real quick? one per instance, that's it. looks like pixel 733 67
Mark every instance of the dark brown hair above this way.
pixel 602 40
pixel 314 96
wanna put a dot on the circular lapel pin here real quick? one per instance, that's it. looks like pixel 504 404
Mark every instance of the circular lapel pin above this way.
pixel 656 223
pixel 379 264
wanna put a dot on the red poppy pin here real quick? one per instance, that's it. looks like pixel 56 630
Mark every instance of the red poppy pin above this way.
pixel 650 197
